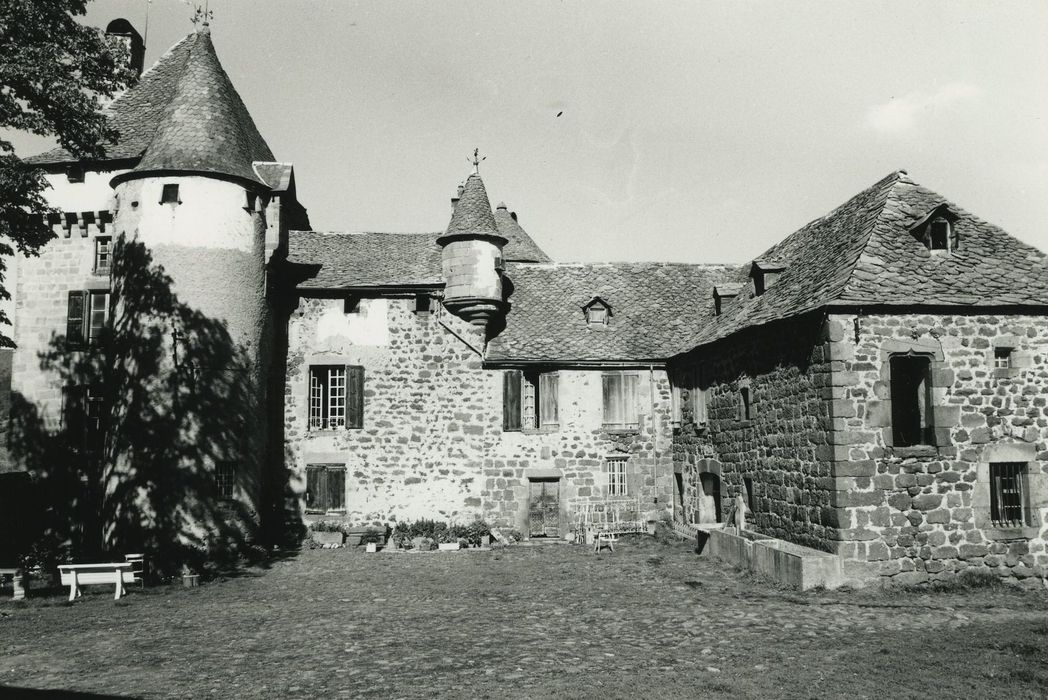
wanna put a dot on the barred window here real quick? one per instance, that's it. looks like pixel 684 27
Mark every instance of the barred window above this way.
pixel 1008 494
pixel 225 479
pixel 336 397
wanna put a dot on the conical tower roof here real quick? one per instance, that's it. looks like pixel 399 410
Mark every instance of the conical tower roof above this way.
pixel 521 247
pixel 472 217
pixel 205 126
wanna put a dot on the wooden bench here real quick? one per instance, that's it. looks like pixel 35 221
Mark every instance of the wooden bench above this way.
pixel 116 573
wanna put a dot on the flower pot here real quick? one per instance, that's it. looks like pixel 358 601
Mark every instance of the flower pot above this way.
pixel 371 547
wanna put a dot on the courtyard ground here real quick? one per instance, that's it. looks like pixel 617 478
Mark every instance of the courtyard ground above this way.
pixel 649 621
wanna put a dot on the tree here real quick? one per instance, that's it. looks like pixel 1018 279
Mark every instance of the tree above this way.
pixel 54 73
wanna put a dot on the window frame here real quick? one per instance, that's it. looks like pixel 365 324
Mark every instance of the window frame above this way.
pixel 226 480
pixel 617 483
pixel 1012 501
pixel 327 470
pixel 627 410
pixel 922 406
pixel 83 326
pixel 524 394
pixel 106 243
pixel 1008 354
pixel 332 402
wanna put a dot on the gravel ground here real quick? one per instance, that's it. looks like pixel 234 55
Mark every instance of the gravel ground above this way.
pixel 649 620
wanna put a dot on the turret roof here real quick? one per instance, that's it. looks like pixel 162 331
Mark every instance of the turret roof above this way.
pixel 472 216
pixel 521 247
pixel 183 114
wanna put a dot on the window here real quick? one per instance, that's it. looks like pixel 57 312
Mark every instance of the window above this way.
pixel 75 173
pixel 1008 494
pixel 747 486
pixel 351 305
pixel 83 411
pixel 939 235
pixel 530 400
pixel 1002 358
pixel 325 487
pixel 597 311
pixel 744 403
pixel 911 400
pixel 103 254
pixel 616 476
pixel 422 304
pixel 87 316
pixel 226 480
pixel 336 397
pixel 620 399
pixel 169 195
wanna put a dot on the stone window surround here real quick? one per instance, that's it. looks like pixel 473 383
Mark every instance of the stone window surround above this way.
pixel 1019 360
pixel 944 416
pixel 1036 482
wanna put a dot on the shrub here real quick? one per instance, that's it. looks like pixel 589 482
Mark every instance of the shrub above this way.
pixel 372 535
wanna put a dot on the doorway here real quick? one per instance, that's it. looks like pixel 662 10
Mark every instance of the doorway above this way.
pixel 544 508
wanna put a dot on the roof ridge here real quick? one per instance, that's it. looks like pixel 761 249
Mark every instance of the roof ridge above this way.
pixel 368 233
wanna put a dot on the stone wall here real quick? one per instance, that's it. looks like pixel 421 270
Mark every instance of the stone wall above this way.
pixel 432 443
pixel 920 513
pixel 782 448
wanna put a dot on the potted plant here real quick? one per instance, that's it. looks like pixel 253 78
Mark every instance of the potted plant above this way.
pixel 372 539
pixel 327 533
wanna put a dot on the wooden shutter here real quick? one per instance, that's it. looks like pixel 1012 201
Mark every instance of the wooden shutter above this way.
pixel 629 399
pixel 75 317
pixel 549 385
pixel 698 398
pixel 612 387
pixel 511 399
pixel 316 487
pixel 354 397
pixel 336 489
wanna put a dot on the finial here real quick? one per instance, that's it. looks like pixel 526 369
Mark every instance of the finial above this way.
pixel 476 161
pixel 202 15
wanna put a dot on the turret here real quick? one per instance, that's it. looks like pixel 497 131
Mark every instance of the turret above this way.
pixel 471 254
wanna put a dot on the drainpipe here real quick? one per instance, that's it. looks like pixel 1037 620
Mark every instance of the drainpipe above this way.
pixel 654 432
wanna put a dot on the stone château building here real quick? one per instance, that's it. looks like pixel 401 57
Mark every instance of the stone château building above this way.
pixel 875 385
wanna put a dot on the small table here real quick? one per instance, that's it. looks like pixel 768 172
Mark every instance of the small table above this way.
pixel 76 575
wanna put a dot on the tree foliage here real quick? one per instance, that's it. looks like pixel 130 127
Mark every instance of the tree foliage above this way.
pixel 54 74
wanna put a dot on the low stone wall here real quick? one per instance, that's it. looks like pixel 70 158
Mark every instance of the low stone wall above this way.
pixel 781 561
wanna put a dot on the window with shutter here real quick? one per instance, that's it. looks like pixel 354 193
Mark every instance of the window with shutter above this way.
pixel 620 399
pixel 910 389
pixel 336 397
pixel 529 400
pixel 325 487
pixel 698 398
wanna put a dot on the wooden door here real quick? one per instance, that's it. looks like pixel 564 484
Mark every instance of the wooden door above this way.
pixel 544 509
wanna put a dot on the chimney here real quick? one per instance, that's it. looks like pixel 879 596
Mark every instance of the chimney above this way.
pixel 121 30
pixel 458 196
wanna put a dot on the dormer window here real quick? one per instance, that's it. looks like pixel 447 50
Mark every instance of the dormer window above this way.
pixel 169 195
pixel 723 294
pixel 597 311
pixel 937 231
pixel 765 273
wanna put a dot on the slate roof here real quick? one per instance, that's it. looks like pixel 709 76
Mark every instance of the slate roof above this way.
pixel 367 259
pixel 136 112
pixel 863 254
pixel 520 247
pixel 184 114
pixel 653 306
pixel 205 126
pixel 472 215
pixel 279 176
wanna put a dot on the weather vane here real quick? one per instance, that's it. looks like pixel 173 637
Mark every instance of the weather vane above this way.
pixel 476 160
pixel 202 14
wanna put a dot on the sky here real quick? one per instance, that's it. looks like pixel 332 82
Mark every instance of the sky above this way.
pixel 675 131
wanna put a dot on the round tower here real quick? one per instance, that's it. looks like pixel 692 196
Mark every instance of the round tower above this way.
pixel 194 206
pixel 471 257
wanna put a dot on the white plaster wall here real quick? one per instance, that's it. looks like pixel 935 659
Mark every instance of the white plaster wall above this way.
pixel 212 213
pixel 368 326
pixel 93 194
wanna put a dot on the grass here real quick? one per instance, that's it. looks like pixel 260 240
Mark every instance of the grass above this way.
pixel 649 620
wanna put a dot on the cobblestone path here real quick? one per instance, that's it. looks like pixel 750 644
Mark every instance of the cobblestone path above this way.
pixel 556 620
